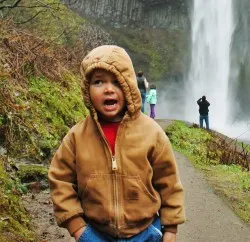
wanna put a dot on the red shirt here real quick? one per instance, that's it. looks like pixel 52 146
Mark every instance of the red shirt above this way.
pixel 110 132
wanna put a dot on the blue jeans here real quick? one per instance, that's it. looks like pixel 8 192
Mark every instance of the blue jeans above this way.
pixel 204 117
pixel 151 234
pixel 143 98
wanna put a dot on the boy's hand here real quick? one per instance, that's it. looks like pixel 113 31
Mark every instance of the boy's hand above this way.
pixel 78 233
pixel 169 237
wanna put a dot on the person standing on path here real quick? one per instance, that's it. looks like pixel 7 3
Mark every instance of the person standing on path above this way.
pixel 115 177
pixel 152 100
pixel 203 110
pixel 142 85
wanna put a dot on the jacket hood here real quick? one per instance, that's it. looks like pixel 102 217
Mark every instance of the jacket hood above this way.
pixel 116 60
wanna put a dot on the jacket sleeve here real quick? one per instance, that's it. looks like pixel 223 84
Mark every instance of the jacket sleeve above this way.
pixel 167 182
pixel 146 83
pixel 63 187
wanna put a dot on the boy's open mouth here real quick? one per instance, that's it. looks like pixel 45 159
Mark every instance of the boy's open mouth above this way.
pixel 110 102
pixel 110 105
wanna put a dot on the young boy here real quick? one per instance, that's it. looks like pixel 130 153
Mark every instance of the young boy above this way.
pixel 114 177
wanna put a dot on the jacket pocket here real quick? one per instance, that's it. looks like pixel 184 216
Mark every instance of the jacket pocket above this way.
pixel 96 198
pixel 138 203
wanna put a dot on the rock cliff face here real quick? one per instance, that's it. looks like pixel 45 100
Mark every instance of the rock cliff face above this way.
pixel 171 14
pixel 240 59
pixel 154 32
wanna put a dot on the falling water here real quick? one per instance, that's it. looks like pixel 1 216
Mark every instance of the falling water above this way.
pixel 212 29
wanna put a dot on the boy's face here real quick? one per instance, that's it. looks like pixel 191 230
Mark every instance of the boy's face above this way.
pixel 107 96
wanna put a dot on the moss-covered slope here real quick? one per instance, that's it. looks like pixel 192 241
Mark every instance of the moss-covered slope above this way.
pixel 40 100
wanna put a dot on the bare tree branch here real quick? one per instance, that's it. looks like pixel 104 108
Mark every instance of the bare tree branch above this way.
pixel 34 16
pixel 40 6
pixel 13 5
pixel 52 7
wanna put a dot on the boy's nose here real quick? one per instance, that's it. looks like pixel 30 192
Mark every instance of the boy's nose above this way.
pixel 109 87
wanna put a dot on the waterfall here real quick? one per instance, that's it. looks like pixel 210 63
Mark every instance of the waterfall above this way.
pixel 216 67
pixel 212 29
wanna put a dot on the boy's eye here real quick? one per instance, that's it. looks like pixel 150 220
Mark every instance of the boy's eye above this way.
pixel 97 82
pixel 116 82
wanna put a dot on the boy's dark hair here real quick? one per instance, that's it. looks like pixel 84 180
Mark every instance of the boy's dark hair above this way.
pixel 203 98
pixel 152 86
pixel 140 73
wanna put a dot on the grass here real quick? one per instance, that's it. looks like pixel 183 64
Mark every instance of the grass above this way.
pixel 232 182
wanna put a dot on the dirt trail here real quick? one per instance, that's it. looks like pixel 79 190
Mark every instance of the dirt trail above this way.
pixel 41 209
pixel 209 219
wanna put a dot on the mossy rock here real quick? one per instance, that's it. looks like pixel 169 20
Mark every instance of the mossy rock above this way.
pixel 31 173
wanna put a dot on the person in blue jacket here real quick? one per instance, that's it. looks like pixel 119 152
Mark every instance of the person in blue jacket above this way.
pixel 152 99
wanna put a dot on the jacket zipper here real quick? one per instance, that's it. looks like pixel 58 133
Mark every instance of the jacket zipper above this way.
pixel 116 201
pixel 114 163
pixel 114 168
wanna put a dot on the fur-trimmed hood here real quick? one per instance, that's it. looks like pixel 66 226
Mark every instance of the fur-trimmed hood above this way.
pixel 116 60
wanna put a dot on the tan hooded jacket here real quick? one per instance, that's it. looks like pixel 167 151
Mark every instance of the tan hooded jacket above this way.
pixel 120 194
